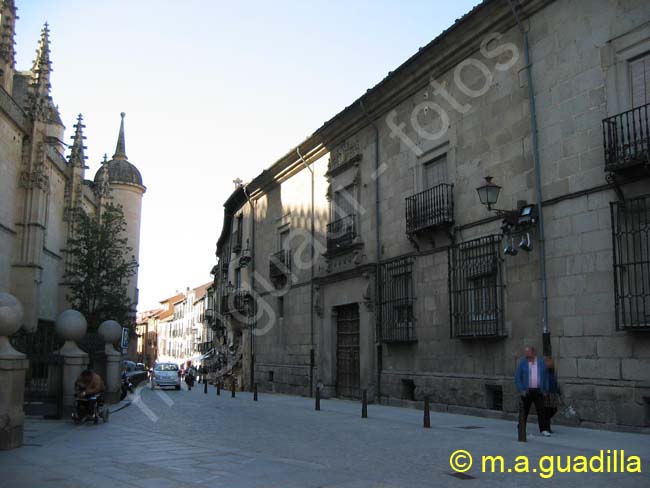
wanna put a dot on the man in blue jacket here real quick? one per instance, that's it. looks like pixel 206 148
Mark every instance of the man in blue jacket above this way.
pixel 531 379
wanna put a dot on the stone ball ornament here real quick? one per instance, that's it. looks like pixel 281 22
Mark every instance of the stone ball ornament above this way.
pixel 111 331
pixel 11 314
pixel 71 325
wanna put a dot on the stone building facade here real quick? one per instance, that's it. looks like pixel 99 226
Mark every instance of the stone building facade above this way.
pixel 419 289
pixel 181 330
pixel 41 187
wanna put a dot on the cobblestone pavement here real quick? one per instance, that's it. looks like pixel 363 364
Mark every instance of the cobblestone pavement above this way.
pixel 189 439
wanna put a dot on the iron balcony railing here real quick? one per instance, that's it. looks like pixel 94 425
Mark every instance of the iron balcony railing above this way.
pixel 631 239
pixel 280 264
pixel 341 233
pixel 236 302
pixel 626 139
pixel 430 208
pixel 203 347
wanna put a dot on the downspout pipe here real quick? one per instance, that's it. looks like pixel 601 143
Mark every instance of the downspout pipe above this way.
pixel 253 324
pixel 378 345
pixel 546 333
pixel 311 287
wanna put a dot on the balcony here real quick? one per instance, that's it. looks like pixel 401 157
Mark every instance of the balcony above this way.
pixel 341 234
pixel 203 347
pixel 430 208
pixel 236 302
pixel 626 140
pixel 279 265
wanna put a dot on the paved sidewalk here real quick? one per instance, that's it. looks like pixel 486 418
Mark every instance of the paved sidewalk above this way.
pixel 189 439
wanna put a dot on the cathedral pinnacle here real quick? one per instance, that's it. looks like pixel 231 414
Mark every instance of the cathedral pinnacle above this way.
pixel 120 148
pixel 7 32
pixel 77 156
pixel 42 66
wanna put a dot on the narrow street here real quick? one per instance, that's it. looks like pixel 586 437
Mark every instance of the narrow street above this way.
pixel 190 439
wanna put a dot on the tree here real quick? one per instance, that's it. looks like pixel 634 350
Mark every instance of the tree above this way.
pixel 100 265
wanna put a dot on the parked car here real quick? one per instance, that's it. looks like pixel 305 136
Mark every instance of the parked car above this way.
pixel 135 375
pixel 166 375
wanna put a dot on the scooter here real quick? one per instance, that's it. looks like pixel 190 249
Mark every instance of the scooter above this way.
pixel 127 387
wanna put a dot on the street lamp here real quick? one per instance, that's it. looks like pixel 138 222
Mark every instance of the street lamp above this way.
pixel 488 193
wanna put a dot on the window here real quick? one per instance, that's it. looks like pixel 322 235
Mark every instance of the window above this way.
pixel 237 278
pixel 434 172
pixel 640 81
pixel 281 307
pixel 396 318
pixel 345 203
pixel 475 288
pixel 239 233
pixel 283 240
pixel 631 228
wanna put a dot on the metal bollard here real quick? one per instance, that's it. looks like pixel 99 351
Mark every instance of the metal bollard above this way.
pixel 232 388
pixel 205 386
pixel 218 388
pixel 255 392
pixel 318 398
pixel 427 416
pixel 521 426
pixel 364 405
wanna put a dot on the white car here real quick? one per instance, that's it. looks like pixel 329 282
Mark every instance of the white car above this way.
pixel 166 375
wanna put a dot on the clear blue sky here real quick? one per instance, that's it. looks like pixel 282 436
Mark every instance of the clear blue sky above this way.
pixel 213 91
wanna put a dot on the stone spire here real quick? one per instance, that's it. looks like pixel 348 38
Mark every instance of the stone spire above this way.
pixel 7 32
pixel 77 156
pixel 7 52
pixel 42 66
pixel 120 148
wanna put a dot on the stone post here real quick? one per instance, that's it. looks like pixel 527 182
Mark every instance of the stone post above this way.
pixel 111 332
pixel 71 325
pixel 13 365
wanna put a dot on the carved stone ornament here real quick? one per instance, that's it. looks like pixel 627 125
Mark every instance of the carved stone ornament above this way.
pixel 343 153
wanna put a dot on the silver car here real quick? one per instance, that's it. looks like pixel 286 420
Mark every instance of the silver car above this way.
pixel 166 375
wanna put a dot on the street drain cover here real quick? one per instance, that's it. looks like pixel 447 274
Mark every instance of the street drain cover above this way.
pixel 462 476
pixel 469 427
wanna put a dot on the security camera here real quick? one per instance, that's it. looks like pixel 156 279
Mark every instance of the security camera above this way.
pixel 525 243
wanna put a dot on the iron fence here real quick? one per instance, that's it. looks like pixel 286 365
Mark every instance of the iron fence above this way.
pixel 476 288
pixel 430 208
pixel 630 233
pixel 627 139
pixel 44 376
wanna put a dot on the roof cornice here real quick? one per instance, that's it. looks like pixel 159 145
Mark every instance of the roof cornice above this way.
pixel 439 56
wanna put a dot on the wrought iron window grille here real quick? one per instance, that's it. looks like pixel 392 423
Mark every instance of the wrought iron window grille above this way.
pixel 396 314
pixel 631 245
pixel 476 288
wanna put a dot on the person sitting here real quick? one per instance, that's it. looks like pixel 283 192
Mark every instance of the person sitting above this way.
pixel 88 387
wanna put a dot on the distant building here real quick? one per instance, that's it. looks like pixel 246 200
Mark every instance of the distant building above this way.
pixel 181 330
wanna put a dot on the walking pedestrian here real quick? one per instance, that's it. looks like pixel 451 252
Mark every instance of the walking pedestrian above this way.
pixel 531 379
